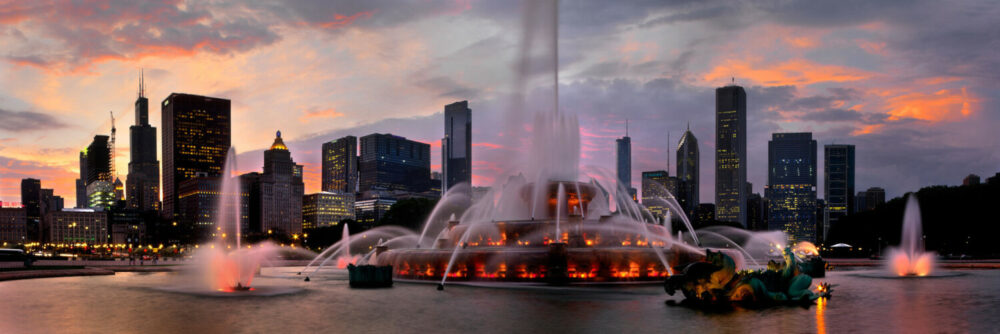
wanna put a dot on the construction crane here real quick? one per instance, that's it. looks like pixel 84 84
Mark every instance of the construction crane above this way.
pixel 112 148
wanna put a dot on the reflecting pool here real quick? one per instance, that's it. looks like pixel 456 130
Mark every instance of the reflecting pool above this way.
pixel 134 303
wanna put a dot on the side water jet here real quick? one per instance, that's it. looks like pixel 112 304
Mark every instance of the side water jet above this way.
pixel 341 254
pixel 229 271
pixel 910 258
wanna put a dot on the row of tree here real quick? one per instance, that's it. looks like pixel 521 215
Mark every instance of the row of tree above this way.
pixel 956 221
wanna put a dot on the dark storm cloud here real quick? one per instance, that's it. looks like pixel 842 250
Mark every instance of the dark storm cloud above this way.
pixel 92 31
pixel 360 13
pixel 27 121
pixel 706 11
pixel 834 13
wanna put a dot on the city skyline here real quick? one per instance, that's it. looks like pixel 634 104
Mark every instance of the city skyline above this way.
pixel 902 117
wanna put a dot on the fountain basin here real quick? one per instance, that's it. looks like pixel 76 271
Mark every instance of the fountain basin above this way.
pixel 535 264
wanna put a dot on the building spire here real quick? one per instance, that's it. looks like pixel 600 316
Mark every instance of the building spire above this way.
pixel 142 85
pixel 668 153
pixel 626 127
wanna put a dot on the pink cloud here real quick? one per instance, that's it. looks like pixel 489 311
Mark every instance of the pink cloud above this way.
pixel 314 113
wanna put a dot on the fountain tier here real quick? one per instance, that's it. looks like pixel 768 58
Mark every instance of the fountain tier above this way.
pixel 562 246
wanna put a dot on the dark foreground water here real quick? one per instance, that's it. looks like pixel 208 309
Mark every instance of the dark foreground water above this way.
pixel 130 303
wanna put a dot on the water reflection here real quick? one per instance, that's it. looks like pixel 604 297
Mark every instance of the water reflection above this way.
pixel 820 318
pixel 869 305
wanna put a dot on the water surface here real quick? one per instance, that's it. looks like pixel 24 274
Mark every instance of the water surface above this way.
pixel 130 302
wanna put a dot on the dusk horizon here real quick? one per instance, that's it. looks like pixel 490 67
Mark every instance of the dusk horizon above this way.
pixel 917 121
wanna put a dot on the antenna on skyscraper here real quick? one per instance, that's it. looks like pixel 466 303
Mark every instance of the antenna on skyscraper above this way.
pixel 668 153
pixel 626 127
pixel 142 86
pixel 112 146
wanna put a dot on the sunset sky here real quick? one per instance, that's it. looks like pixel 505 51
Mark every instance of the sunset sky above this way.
pixel 913 84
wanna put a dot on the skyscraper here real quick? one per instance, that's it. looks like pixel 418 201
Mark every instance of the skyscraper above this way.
pixel 869 199
pixel 143 182
pixel 838 183
pixel 100 186
pixel 278 195
pixel 31 197
pixel 369 211
pixel 49 202
pixel 687 172
pixel 791 181
pixel 81 183
pixel 340 165
pixel 391 162
pixel 655 185
pixel 756 212
pixel 198 198
pixel 456 146
pixel 99 160
pixel 623 157
pixel 731 154
pixel 119 190
pixel 326 209
pixel 196 138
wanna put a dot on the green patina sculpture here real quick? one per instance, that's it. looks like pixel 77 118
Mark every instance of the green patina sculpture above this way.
pixel 716 282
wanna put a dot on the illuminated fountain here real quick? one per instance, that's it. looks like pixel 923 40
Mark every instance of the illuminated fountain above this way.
pixel 910 258
pixel 567 238
pixel 554 229
pixel 545 220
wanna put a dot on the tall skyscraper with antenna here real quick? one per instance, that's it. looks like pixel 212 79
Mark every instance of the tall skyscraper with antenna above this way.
pixel 143 183
pixel 731 154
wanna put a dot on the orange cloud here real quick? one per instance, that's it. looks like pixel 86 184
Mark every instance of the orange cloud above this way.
pixel 319 113
pixel 801 42
pixel 941 105
pixel 871 128
pixel 791 72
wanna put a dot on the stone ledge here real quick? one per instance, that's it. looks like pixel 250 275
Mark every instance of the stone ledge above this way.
pixel 47 273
